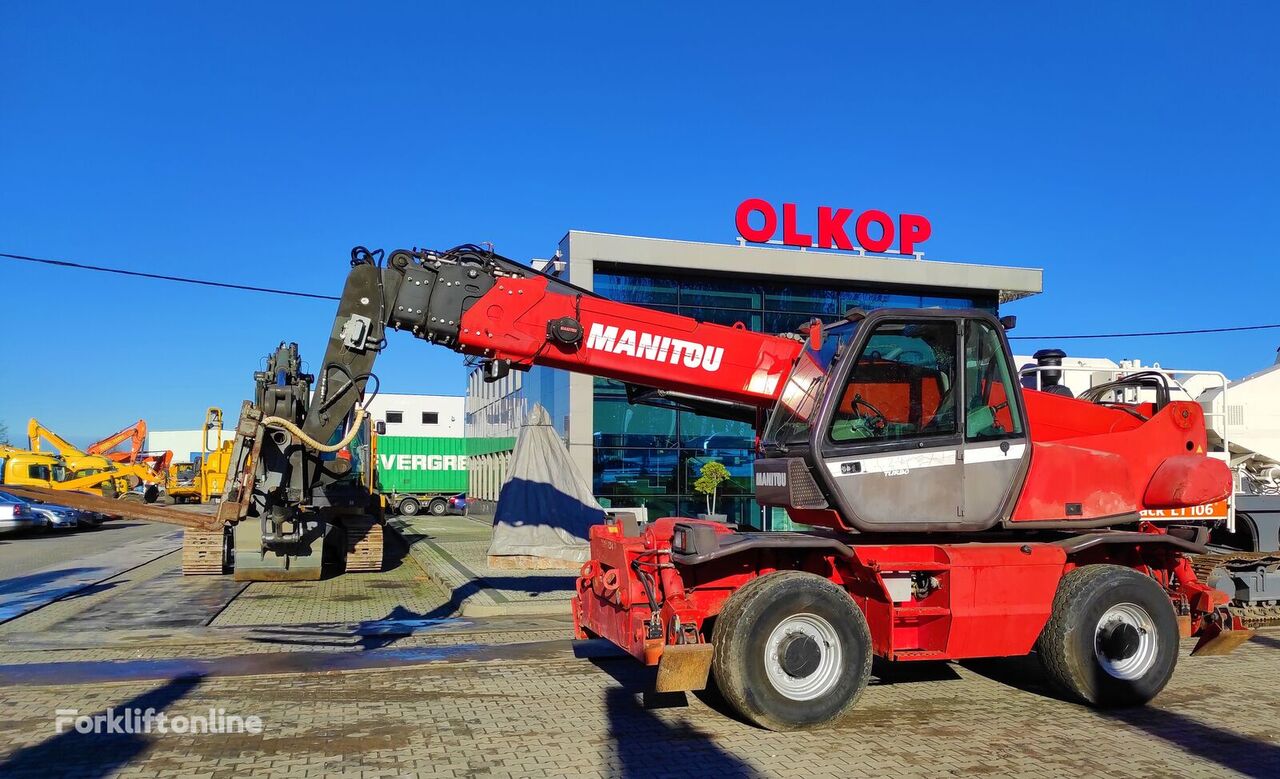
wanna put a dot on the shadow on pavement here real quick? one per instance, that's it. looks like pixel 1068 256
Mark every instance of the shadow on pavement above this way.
pixel 1268 641
pixel 888 672
pixel 93 755
pixel 645 744
pixel 1248 756
pixel 1021 673
pixel 26 582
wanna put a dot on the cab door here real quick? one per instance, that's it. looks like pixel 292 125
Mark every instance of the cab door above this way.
pixel 996 451
pixel 890 438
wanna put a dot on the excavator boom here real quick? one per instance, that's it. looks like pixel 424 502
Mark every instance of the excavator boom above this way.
pixel 37 432
pixel 135 434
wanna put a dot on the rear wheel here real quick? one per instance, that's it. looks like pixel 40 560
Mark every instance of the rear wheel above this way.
pixel 791 650
pixel 439 507
pixel 409 507
pixel 1112 638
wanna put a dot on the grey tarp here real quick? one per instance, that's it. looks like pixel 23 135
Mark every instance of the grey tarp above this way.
pixel 545 505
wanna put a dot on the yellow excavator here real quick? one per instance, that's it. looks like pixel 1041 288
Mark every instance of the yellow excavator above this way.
pixel 22 467
pixel 204 479
pixel 93 471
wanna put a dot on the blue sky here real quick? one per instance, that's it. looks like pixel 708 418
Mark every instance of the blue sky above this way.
pixel 1129 151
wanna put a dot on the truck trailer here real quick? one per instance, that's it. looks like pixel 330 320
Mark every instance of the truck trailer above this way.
pixel 417 474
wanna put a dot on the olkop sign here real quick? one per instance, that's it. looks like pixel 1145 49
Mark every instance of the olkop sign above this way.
pixel 873 230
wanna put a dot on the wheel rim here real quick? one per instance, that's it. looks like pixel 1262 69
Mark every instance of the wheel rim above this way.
pixel 1124 641
pixel 802 658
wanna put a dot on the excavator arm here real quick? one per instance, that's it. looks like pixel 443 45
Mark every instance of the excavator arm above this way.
pixel 135 434
pixel 506 315
pixel 37 432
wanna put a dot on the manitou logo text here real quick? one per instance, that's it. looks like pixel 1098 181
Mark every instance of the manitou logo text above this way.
pixel 658 348
pixel 771 479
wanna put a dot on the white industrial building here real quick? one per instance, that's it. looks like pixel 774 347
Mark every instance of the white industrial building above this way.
pixel 419 415
pixel 185 444
pixel 406 415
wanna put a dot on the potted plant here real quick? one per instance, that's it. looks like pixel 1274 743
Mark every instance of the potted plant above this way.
pixel 712 475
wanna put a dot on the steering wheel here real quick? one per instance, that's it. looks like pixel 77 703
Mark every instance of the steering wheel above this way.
pixel 878 421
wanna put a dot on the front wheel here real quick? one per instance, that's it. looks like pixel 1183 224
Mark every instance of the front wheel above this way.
pixel 1112 638
pixel 409 507
pixel 791 650
pixel 439 507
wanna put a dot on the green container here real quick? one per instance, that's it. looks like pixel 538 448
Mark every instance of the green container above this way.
pixel 414 464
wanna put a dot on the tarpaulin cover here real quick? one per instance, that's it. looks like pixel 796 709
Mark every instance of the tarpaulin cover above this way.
pixel 545 506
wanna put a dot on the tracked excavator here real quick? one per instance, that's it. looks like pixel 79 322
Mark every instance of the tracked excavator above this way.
pixel 951 513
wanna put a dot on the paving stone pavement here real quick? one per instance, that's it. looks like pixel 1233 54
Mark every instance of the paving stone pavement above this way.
pixel 355 688
pixel 454 552
pixel 403 591
pixel 563 716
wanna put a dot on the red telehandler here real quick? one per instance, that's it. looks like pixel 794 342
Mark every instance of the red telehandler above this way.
pixel 952 513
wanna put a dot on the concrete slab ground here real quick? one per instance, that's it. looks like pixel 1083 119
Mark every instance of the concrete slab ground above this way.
pixel 454 552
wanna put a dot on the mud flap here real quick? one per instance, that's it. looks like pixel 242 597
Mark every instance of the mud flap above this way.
pixel 684 667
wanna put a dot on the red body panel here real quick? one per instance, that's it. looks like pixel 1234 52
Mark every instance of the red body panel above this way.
pixel 629 343
pixel 1186 480
pixel 1092 462
pixel 991 600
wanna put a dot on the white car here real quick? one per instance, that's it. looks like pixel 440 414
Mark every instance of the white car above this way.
pixel 16 516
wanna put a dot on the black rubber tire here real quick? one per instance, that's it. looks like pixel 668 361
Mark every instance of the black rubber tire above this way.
pixel 408 507
pixel 438 507
pixel 741 634
pixel 1067 643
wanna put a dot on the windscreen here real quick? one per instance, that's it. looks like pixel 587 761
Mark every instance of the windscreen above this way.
pixel 801 396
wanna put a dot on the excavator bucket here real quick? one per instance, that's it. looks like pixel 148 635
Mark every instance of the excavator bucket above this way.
pixel 124 508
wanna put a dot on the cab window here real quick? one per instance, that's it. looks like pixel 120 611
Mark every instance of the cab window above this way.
pixel 40 472
pixel 901 386
pixel 990 396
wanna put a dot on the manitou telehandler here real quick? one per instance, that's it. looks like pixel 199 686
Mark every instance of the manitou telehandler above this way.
pixel 952 514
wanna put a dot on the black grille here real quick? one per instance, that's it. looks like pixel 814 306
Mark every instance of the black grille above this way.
pixel 805 493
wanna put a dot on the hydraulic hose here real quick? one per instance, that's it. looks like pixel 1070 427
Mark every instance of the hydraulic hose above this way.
pixel 281 422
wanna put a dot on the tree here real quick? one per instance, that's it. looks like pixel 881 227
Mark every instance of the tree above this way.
pixel 4 433
pixel 712 475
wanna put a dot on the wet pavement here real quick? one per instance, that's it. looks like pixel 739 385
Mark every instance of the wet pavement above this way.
pixel 26 592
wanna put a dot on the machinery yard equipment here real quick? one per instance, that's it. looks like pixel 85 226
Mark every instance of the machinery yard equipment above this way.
pixel 97 472
pixel 953 514
pixel 136 436
pixel 202 481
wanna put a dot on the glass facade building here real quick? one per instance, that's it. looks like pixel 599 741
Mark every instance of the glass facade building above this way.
pixel 647 456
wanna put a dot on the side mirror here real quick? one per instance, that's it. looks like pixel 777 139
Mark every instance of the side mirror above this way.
pixel 380 427
pixel 1008 322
